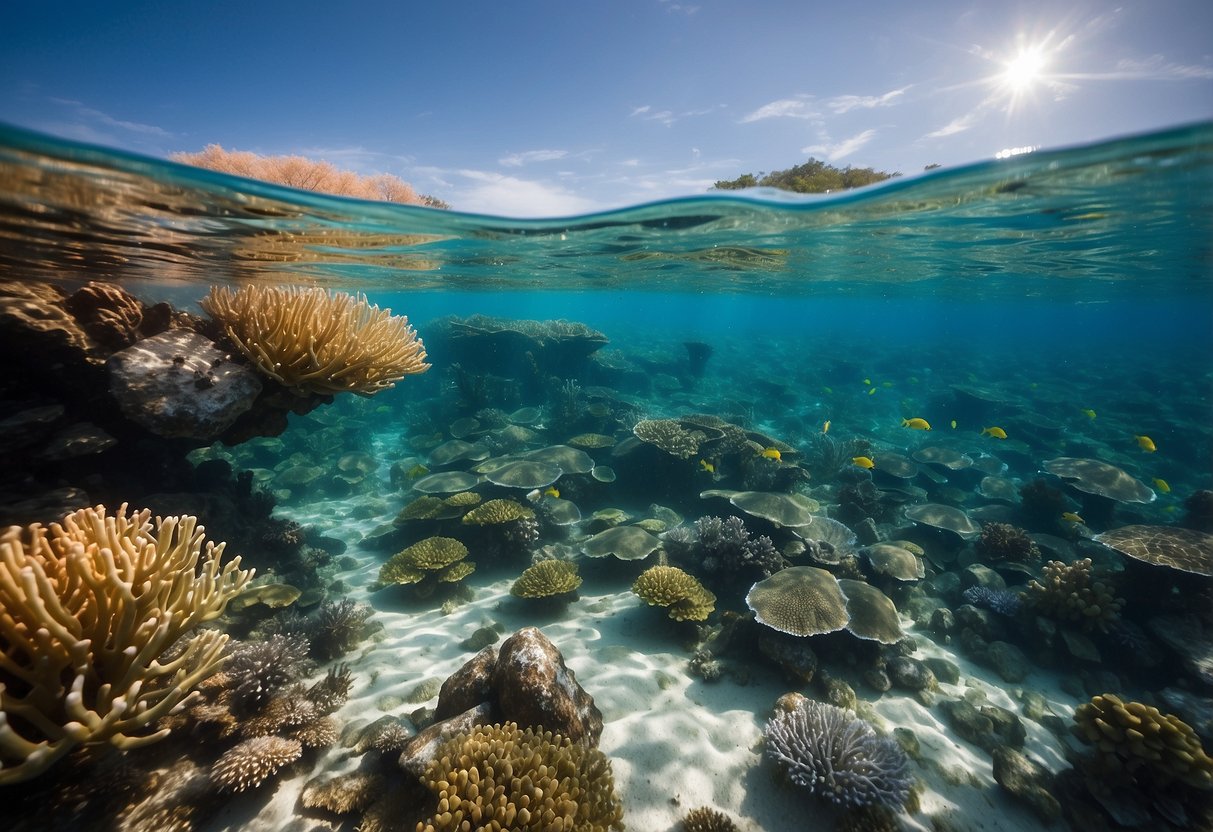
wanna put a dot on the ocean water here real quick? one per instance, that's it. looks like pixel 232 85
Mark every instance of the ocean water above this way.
pixel 1064 297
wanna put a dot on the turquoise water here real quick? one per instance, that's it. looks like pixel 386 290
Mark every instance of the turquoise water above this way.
pixel 1064 296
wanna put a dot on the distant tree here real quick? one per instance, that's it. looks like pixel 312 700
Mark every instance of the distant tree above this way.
pixel 932 166
pixel 813 177
pixel 308 175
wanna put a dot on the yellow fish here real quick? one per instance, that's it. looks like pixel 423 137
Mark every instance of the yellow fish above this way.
pixel 1146 444
pixel 417 471
pixel 996 432
pixel 953 424
pixel 551 491
pixel 863 461
pixel 771 453
pixel 867 382
pixel 1089 413
pixel 916 424
pixel 872 391
pixel 704 465
pixel 826 427
pixel 1071 517
pixel 1162 485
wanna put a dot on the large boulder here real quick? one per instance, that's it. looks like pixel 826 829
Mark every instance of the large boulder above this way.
pixel 178 384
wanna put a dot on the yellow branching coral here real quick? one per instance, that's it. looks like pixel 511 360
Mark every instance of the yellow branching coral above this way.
pixel 546 579
pixel 498 777
pixel 89 610
pixel 679 591
pixel 314 342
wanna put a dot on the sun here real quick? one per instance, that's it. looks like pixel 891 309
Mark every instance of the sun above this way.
pixel 1024 70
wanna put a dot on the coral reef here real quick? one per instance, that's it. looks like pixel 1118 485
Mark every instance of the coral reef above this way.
pixel 251 763
pixel 800 601
pixel 313 342
pixel 547 579
pixel 836 756
pixel 1071 593
pixel 1002 541
pixel 337 628
pixel 1002 601
pixel 724 547
pixel 705 819
pixel 670 437
pixel 259 669
pixel 1137 742
pixel 90 610
pixel 502 777
pixel 684 598
pixel 430 561
pixel 495 512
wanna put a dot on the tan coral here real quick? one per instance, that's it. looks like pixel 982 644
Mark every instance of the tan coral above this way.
pixel 670 437
pixel 251 763
pixel 546 579
pixel 495 512
pixel 89 609
pixel 705 819
pixel 1138 740
pixel 314 342
pixel 500 777
pixel 344 793
pixel 1071 593
pixel 679 591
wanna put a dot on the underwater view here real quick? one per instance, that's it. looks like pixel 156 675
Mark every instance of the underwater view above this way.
pixel 889 509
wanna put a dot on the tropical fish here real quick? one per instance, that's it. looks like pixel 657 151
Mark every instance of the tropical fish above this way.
pixel 996 432
pixel 416 471
pixel 863 461
pixel 704 465
pixel 886 384
pixel 1089 413
pixel 867 382
pixel 1162 485
pixel 828 389
pixel 872 391
pixel 916 424
pixel 826 427
pixel 551 491
pixel 771 453
pixel 1146 444
pixel 1071 517
pixel 953 424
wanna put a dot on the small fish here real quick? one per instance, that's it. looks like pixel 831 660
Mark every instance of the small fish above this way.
pixel 704 465
pixel 1146 444
pixel 872 391
pixel 825 428
pixel 995 432
pixel 867 382
pixel 916 424
pixel 1162 485
pixel 863 461
pixel 1071 517
pixel 953 424
pixel 771 453
pixel 829 390
pixel 551 491
pixel 417 471
pixel 886 384
pixel 1089 413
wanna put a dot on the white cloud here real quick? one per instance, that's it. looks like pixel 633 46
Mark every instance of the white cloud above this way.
pixel 1158 68
pixel 956 125
pixel 783 108
pixel 840 150
pixel 683 8
pixel 845 103
pixel 639 111
pixel 509 196
pixel 515 160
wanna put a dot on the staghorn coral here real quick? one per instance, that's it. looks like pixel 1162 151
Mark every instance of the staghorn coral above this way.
pixel 836 756
pixel 313 342
pixel 547 579
pixel 1002 541
pixel 90 610
pixel 668 586
pixel 705 819
pixel 331 692
pixel 498 777
pixel 251 763
pixel 260 669
pixel 1137 742
pixel 337 628
pixel 1070 592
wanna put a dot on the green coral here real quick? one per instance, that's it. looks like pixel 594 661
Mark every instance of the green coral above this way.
pixel 498 511
pixel 546 579
pixel 499 777
pixel 440 558
pixel 679 591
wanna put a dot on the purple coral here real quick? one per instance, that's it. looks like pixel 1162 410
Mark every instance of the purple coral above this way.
pixel 837 756
pixel 726 546
pixel 1002 601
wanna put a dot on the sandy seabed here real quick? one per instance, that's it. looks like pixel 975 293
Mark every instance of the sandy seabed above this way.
pixel 675 742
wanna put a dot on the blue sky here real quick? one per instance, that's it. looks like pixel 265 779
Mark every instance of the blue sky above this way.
pixel 553 108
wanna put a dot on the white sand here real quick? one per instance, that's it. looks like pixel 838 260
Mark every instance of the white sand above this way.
pixel 675 741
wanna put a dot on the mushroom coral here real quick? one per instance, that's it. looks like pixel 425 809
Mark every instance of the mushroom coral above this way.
pixel 90 611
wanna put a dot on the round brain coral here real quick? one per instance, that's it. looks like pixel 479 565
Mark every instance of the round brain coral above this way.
pixel 679 591
pixel 546 579
pixel 498 777
pixel 836 756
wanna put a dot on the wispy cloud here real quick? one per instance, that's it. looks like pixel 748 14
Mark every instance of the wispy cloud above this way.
pixel 833 151
pixel 1158 68
pixel 97 117
pixel 845 103
pixel 681 8
pixel 668 117
pixel 956 125
pixel 517 160
pixel 783 108
pixel 486 192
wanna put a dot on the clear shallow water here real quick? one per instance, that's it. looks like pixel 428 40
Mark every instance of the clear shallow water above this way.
pixel 1052 284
